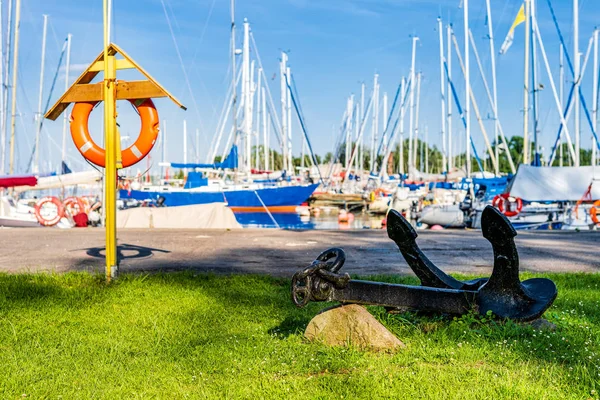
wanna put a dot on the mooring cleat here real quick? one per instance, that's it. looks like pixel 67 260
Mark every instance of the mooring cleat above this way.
pixel 404 235
pixel 504 294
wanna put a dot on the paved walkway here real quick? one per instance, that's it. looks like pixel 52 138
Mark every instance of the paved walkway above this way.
pixel 282 252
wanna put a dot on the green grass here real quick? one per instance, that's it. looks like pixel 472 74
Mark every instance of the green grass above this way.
pixel 182 335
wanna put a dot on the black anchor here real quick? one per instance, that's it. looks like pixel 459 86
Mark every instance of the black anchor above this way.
pixel 503 293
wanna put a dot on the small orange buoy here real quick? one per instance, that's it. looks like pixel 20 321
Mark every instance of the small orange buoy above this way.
pixel 344 216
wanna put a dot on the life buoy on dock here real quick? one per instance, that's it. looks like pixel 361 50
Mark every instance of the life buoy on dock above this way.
pixel 131 155
pixel 43 219
pixel 594 212
pixel 74 205
pixel 507 204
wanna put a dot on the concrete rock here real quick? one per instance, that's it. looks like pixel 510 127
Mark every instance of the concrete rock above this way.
pixel 542 324
pixel 351 325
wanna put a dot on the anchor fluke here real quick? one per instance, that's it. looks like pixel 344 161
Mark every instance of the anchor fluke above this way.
pixel 504 294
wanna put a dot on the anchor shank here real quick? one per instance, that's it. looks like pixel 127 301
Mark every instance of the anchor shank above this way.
pixel 506 266
pixel 419 298
pixel 427 272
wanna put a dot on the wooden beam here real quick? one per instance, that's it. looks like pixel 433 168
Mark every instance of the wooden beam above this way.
pixel 139 90
pixel 80 93
pixel 121 64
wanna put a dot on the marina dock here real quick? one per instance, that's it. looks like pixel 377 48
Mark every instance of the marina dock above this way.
pixel 281 252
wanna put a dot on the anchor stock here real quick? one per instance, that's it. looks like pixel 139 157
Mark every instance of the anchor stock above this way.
pixel 503 293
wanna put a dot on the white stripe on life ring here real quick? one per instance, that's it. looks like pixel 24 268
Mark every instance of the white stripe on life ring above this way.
pixel 136 152
pixel 88 145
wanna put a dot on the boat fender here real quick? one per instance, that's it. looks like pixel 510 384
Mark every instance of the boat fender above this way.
pixel 594 212
pixel 60 211
pixel 131 155
pixel 74 205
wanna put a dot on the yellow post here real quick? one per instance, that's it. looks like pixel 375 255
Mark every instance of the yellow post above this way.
pixel 110 170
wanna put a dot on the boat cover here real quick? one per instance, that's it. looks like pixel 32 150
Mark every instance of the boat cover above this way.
pixel 199 216
pixel 14 180
pixel 230 162
pixel 60 181
pixel 555 183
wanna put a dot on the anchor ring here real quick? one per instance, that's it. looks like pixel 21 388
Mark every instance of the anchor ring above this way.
pixel 327 255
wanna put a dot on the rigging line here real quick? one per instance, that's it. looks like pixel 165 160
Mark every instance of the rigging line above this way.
pixel 49 96
pixel 56 41
pixel 461 113
pixel 271 103
pixel 312 153
pixel 187 80
pixel 210 12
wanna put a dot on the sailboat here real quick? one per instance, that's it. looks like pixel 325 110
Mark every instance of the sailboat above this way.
pixel 238 187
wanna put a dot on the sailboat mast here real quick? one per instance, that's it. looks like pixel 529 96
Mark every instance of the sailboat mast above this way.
pixel 360 148
pixel 65 117
pixel 264 128
pixel 283 89
pixel 36 162
pixel 577 73
pixel 467 110
pixel 442 94
pixel 246 94
pixel 164 145
pixel 411 107
pixel 13 117
pixel 185 159
pixel 2 132
pixel 526 9
pixel 536 157
pixel 288 104
pixel 561 74
pixel 4 94
pixel 375 126
pixel 402 113
pixel 494 85
pixel 449 103
pixel 348 133
pixel 416 135
pixel 259 112
pixel 595 98
pixel 233 77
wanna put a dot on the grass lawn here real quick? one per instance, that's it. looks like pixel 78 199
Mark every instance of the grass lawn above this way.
pixel 181 335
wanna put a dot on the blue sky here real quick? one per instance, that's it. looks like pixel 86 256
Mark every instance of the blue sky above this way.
pixel 333 45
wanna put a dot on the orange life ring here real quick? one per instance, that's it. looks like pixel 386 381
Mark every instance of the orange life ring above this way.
pixel 60 211
pixel 594 212
pixel 504 202
pixel 74 205
pixel 131 155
